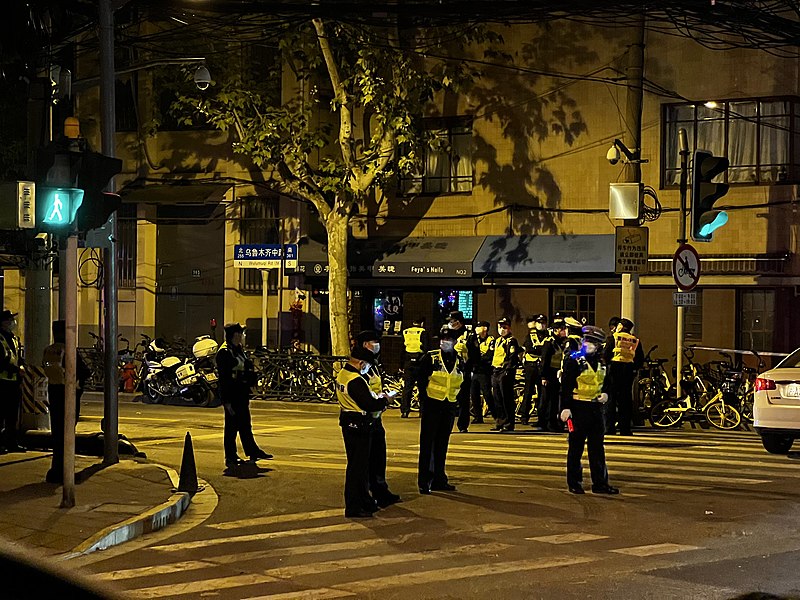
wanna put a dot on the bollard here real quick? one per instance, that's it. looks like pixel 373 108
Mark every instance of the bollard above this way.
pixel 188 475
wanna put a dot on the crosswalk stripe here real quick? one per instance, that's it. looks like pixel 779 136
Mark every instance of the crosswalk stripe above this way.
pixel 200 586
pixel 318 594
pixel 387 559
pixel 215 436
pixel 655 549
pixel 271 535
pixel 567 538
pixel 178 567
pixel 274 519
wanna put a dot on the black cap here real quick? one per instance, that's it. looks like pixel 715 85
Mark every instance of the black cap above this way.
pixel 504 321
pixel 483 324
pixel 456 315
pixel 558 324
pixel 232 328
pixel 361 353
pixel 445 333
pixel 593 334
pixel 540 318
pixel 612 322
pixel 7 315
pixel 627 324
pixel 368 335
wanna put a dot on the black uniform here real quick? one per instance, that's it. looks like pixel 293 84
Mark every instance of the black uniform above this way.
pixel 377 456
pixel 534 347
pixel 587 420
pixel 552 360
pixel 504 371
pixel 359 417
pixel 415 345
pixel 469 352
pixel 437 417
pixel 10 390
pixel 482 379
pixel 236 375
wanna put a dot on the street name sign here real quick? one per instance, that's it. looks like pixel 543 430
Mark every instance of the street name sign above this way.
pixel 684 298
pixel 631 249
pixel 264 256
pixel 686 267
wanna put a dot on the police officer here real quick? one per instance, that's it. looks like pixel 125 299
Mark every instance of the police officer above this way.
pixel 370 339
pixel 583 394
pixel 552 360
pixel 624 356
pixel 469 353
pixel 360 411
pixel 11 367
pixel 236 375
pixel 533 347
pixel 574 334
pixel 444 373
pixel 482 373
pixel 504 371
pixel 415 345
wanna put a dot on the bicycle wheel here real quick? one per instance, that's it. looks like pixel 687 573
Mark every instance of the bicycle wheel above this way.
pixel 722 415
pixel 665 414
pixel 747 407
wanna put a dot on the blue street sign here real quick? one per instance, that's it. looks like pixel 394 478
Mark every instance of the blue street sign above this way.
pixel 264 256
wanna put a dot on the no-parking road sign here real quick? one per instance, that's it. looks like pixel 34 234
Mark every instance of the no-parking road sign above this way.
pixel 686 267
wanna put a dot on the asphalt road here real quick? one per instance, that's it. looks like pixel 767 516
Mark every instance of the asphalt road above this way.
pixel 702 514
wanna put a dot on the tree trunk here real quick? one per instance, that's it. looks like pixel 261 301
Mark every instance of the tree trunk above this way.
pixel 337 227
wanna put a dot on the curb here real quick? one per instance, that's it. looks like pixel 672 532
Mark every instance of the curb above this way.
pixel 152 520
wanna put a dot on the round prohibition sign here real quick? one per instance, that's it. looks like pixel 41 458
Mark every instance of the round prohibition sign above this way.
pixel 686 267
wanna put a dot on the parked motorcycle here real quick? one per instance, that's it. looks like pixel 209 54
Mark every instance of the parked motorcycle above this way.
pixel 170 378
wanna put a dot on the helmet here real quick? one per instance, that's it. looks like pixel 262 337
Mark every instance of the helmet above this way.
pixel 627 324
pixel 593 334
pixel 540 318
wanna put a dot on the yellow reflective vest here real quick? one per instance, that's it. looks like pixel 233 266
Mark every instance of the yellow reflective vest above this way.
pixel 346 403
pixel 487 346
pixel 537 344
pixel 412 338
pixel 624 347
pixel 500 351
pixel 444 384
pixel 461 346
pixel 375 381
pixel 590 383
pixel 11 351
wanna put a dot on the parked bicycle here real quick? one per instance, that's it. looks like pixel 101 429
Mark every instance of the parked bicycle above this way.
pixel 653 384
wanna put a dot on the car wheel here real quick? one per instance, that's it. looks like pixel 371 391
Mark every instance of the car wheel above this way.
pixel 776 444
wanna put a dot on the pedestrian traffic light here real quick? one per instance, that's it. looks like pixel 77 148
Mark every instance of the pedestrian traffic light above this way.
pixel 56 207
pixel 705 193
pixel 94 172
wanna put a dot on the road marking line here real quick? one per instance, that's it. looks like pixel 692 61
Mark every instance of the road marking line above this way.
pixel 190 565
pixel 271 535
pixel 567 538
pixel 273 519
pixel 492 527
pixel 655 549
pixel 385 559
pixel 318 594
pixel 216 436
pixel 200 586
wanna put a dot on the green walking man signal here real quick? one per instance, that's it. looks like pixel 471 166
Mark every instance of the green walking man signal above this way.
pixel 706 220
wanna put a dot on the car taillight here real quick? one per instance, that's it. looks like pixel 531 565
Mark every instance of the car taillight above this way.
pixel 764 384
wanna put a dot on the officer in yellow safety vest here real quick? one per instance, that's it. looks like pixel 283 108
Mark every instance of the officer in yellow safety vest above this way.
pixel 11 367
pixel 443 370
pixel 415 345
pixel 482 373
pixel 468 352
pixel 359 414
pixel 624 356
pixel 370 339
pixel 583 394
pixel 534 346
pixel 504 371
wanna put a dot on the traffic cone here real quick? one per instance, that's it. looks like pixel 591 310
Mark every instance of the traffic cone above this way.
pixel 188 476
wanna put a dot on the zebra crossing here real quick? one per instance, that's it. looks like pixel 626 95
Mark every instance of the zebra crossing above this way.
pixel 319 555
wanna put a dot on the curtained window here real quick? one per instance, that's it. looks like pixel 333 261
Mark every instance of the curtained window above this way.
pixel 758 136
pixel 447 162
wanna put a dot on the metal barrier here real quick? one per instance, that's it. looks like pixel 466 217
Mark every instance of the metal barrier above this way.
pixel 295 377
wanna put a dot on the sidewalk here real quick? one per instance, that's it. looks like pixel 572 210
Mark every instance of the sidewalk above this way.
pixel 112 504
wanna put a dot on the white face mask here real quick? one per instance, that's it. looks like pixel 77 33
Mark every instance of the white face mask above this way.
pixel 590 347
pixel 365 369
pixel 452 325
pixel 539 326
pixel 447 345
pixel 375 347
pixel 500 330
pixel 481 330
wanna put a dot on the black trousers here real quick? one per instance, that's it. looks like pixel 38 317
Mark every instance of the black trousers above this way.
pixel 411 376
pixel 533 383
pixel 503 391
pixel 481 384
pixel 10 401
pixel 377 461
pixel 357 442
pixel 463 401
pixel 619 409
pixel 436 424
pixel 589 429
pixel 239 423
pixel 550 405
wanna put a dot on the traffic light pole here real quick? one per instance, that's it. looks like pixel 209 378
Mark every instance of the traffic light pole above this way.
pixel 684 153
pixel 108 130
pixel 69 279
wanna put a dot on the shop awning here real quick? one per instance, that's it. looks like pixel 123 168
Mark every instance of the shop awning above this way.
pixel 174 192
pixel 429 258
pixel 546 255
pixel 312 256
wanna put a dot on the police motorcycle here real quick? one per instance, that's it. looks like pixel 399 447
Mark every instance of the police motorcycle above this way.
pixel 172 380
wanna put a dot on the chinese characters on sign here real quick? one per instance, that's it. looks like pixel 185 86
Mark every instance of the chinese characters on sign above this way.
pixel 264 256
pixel 631 250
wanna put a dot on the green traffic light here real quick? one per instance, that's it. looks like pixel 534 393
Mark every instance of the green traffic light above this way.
pixel 712 221
pixel 58 205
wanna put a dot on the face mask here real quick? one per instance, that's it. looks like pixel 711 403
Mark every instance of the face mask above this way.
pixel 365 369
pixel 590 347
pixel 452 325
pixel 376 347
pixel 481 330
pixel 12 327
pixel 446 345
pixel 500 330
pixel 539 326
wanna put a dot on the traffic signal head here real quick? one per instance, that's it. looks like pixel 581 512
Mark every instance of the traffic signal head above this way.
pixel 56 207
pixel 94 172
pixel 705 220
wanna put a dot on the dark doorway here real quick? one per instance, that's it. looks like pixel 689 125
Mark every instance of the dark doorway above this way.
pixel 190 270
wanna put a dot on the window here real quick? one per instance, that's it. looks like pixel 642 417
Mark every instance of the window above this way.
pixel 258 225
pixel 693 320
pixel 756 319
pixel 447 162
pixel 126 246
pixel 759 138
pixel 125 107
pixel 574 301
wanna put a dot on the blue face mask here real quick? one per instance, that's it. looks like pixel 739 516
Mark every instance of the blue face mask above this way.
pixel 365 369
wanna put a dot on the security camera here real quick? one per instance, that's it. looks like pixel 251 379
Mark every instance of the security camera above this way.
pixel 202 78
pixel 613 155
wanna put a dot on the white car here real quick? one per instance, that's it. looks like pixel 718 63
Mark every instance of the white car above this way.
pixel 776 405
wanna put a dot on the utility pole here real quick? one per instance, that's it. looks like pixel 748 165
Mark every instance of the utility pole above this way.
pixel 108 131
pixel 633 136
pixel 684 153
